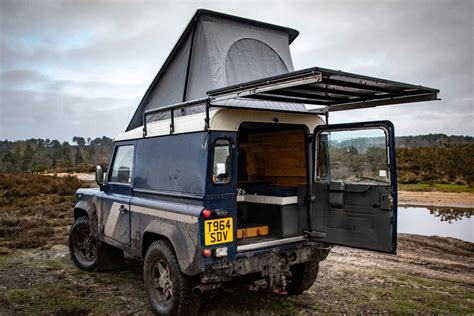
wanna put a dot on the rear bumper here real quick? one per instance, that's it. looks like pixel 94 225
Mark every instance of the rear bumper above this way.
pixel 262 259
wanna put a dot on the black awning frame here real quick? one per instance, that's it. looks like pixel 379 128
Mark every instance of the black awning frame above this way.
pixel 333 90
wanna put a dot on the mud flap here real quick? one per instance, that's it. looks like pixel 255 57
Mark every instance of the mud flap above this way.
pixel 108 257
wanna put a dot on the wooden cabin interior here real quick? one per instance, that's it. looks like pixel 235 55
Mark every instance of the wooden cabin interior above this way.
pixel 271 165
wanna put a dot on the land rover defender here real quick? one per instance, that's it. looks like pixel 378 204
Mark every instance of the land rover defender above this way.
pixel 229 168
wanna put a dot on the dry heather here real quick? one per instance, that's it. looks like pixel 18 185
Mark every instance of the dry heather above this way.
pixel 35 209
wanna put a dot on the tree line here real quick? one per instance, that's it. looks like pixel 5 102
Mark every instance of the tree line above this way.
pixel 39 155
pixel 434 158
pixel 431 140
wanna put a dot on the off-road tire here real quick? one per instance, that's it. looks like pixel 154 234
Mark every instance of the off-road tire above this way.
pixel 77 231
pixel 303 276
pixel 182 302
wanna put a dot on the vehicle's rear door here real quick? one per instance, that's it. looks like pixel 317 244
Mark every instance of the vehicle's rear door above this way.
pixel 355 186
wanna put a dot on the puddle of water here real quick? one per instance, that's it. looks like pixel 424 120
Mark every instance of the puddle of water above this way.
pixel 441 221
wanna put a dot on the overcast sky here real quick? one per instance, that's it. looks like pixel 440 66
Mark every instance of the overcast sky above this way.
pixel 81 67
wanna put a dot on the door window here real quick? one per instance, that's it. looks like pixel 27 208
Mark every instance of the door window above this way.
pixel 222 165
pixel 353 156
pixel 122 165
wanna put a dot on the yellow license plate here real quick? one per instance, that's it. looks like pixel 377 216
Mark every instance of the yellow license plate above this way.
pixel 218 231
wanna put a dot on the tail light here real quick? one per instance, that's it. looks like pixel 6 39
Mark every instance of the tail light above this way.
pixel 206 213
pixel 207 252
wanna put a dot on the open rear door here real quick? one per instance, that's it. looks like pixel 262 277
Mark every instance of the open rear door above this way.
pixel 355 186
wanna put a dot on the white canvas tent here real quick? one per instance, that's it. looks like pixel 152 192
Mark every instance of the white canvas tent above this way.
pixel 226 61
pixel 217 50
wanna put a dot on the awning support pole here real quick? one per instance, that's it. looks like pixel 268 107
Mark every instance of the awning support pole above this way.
pixel 206 120
pixel 172 121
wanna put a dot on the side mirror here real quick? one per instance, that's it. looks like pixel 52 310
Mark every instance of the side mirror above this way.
pixel 99 175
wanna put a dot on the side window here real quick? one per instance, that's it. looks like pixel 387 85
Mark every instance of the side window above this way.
pixel 354 156
pixel 322 158
pixel 222 162
pixel 122 165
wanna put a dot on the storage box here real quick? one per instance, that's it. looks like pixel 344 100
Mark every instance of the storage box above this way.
pixel 252 232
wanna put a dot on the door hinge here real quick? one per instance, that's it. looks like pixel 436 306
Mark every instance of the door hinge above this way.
pixel 315 234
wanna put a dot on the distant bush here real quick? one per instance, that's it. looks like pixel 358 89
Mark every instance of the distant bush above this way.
pixel 407 178
pixel 25 184
pixel 445 163
pixel 36 209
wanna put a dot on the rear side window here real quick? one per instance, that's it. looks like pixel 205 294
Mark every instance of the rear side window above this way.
pixel 222 163
pixel 122 165
pixel 354 156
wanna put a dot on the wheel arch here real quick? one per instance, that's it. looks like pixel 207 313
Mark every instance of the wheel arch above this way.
pixel 180 237
pixel 150 237
pixel 87 208
pixel 80 212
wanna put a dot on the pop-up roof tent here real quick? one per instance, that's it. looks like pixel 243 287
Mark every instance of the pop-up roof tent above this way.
pixel 226 61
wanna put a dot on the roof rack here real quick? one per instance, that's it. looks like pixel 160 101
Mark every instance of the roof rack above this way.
pixel 331 90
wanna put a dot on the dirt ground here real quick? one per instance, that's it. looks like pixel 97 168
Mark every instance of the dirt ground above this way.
pixel 428 275
pixel 416 198
pixel 80 175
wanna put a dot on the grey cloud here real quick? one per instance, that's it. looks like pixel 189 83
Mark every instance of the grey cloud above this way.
pixel 20 77
pixel 27 114
pixel 72 66
pixel 29 79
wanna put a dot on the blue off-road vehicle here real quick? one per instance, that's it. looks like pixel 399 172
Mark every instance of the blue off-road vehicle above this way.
pixel 229 168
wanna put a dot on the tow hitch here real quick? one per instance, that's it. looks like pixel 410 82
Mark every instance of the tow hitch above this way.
pixel 277 273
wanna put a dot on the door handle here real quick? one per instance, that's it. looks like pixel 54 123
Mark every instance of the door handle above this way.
pixel 122 209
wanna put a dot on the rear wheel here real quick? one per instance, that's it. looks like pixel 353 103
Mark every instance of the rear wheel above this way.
pixel 82 245
pixel 168 289
pixel 303 276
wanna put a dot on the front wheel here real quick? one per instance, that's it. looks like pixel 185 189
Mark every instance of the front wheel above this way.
pixel 168 289
pixel 303 276
pixel 82 245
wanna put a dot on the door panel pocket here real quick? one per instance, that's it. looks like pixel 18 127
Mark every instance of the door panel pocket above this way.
pixel 342 220
pixel 336 194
